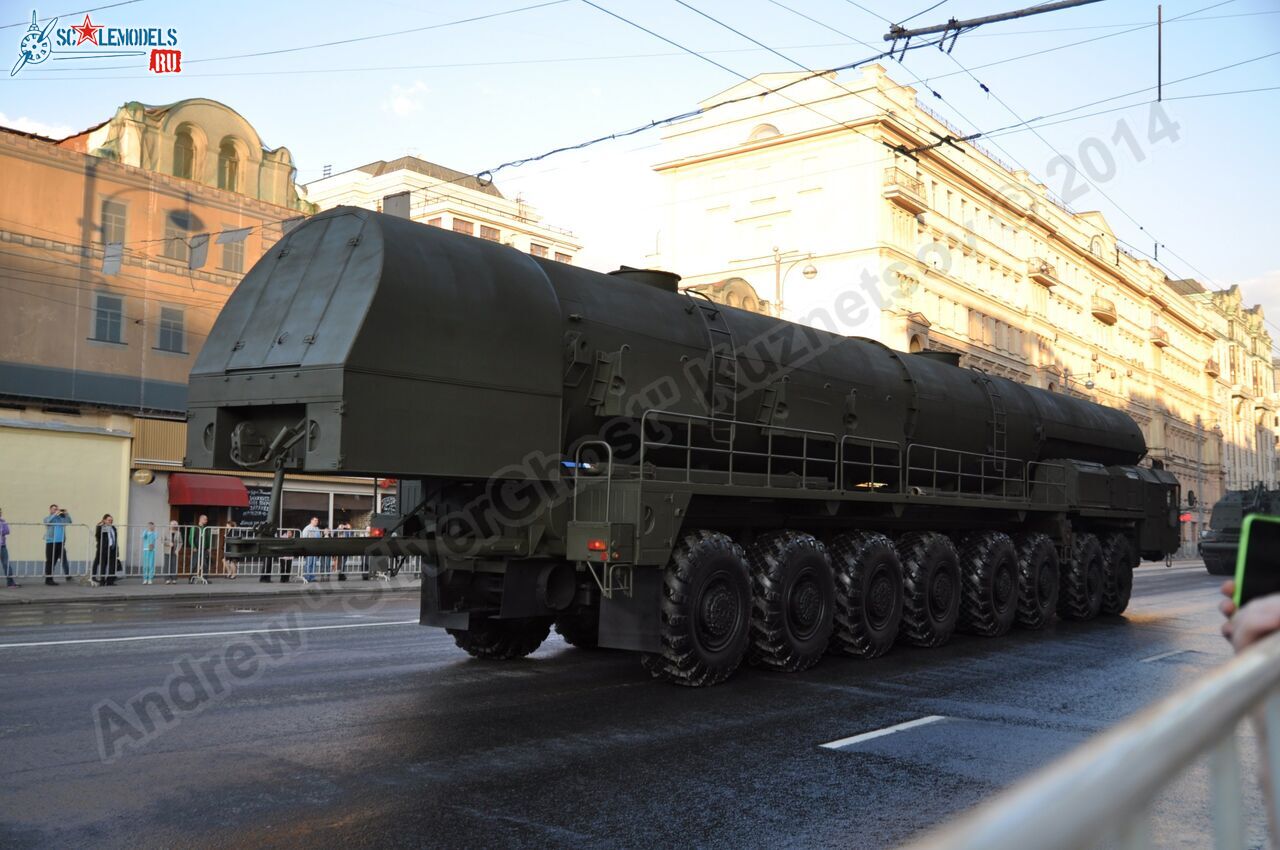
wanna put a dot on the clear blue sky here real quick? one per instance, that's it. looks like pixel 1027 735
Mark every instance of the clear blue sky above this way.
pixel 478 94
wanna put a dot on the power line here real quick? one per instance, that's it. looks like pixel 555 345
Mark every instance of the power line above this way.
pixel 921 12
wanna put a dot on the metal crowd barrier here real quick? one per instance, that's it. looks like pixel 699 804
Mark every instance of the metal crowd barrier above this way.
pixel 194 556
pixel 1103 793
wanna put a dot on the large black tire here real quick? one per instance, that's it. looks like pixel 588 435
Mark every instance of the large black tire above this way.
pixel 1080 596
pixel 989 576
pixel 868 577
pixel 580 627
pixel 793 601
pixel 931 588
pixel 1037 580
pixel 705 613
pixel 1119 558
pixel 502 639
pixel 1218 565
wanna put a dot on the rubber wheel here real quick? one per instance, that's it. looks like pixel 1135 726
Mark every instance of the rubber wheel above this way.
pixel 989 576
pixel 1119 558
pixel 793 598
pixel 1218 566
pixel 502 639
pixel 930 588
pixel 1037 580
pixel 705 613
pixel 580 628
pixel 868 578
pixel 1080 595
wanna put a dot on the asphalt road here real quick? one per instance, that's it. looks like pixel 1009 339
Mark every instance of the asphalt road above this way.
pixel 364 731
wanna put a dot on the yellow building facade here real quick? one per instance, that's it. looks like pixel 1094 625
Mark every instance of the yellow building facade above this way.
pixel 831 205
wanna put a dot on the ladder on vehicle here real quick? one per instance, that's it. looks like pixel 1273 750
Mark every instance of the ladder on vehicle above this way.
pixel 999 422
pixel 723 379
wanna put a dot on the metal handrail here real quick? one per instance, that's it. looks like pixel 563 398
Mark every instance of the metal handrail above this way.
pixel 769 456
pixel 1004 480
pixel 608 479
pixel 870 443
pixel 1107 787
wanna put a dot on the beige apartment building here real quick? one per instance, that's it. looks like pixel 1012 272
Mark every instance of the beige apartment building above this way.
pixel 805 204
pixel 433 194
pixel 94 360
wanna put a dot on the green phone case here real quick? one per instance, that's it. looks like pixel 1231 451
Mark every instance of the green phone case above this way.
pixel 1243 554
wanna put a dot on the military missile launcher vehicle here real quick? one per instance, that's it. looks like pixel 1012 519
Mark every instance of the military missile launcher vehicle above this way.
pixel 1221 540
pixel 643 469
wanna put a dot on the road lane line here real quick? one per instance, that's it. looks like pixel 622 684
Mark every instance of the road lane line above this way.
pixel 1164 655
pixel 207 634
pixel 888 730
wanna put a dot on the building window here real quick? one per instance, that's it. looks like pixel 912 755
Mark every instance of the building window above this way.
pixel 172 337
pixel 176 246
pixel 563 258
pixel 233 255
pixel 461 225
pixel 228 166
pixel 490 233
pixel 184 155
pixel 113 221
pixel 434 222
pixel 537 250
pixel 108 318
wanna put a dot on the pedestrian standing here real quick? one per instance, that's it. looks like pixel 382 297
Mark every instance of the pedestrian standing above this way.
pixel 4 552
pixel 313 530
pixel 172 548
pixel 200 542
pixel 105 554
pixel 55 542
pixel 149 554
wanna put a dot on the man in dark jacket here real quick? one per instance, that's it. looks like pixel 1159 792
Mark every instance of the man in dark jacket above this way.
pixel 200 545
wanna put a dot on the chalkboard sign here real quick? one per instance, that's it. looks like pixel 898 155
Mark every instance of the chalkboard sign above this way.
pixel 259 507
pixel 390 504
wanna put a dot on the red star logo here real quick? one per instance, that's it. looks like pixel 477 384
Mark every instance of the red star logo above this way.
pixel 88 31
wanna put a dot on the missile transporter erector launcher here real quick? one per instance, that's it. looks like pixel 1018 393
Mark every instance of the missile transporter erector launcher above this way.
pixel 644 469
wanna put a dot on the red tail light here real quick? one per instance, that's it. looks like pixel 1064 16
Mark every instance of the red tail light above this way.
pixel 377 532
pixel 597 545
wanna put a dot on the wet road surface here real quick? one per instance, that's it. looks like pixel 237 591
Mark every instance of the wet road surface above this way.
pixel 340 723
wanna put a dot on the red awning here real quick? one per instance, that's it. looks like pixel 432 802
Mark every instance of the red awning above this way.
pixel 214 491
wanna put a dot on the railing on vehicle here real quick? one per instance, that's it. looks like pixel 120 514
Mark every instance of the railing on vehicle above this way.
pixel 950 472
pixel 790 457
pixel 1103 793
pixel 870 465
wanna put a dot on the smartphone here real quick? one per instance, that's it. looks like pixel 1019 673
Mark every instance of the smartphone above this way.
pixel 1258 561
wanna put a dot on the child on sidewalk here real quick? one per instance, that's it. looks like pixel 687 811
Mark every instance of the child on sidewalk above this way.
pixel 149 554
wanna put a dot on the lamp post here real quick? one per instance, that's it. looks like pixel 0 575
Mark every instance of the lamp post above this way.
pixel 1068 377
pixel 810 271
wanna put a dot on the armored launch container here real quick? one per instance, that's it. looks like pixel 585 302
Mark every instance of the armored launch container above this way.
pixel 647 470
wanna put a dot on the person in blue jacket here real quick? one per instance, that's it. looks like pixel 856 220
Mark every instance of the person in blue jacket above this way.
pixel 55 542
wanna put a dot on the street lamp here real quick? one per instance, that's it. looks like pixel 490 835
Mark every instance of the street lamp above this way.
pixel 810 271
pixel 1088 382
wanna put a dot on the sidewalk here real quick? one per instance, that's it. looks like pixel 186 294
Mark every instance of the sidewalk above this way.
pixel 33 591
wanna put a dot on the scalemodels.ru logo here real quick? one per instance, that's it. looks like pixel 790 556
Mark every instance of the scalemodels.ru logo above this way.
pixel 87 41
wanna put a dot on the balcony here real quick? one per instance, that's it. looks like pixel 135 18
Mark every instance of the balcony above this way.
pixel 1211 368
pixel 1159 336
pixel 1103 309
pixel 904 190
pixel 1042 272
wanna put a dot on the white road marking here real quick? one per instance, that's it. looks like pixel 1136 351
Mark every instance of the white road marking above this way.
pixel 1165 655
pixel 888 730
pixel 206 634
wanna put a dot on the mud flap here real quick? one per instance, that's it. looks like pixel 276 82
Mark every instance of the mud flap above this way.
pixel 632 622
pixel 429 612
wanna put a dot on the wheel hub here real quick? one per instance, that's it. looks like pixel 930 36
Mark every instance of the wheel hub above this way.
pixel 1004 588
pixel 940 591
pixel 718 612
pixel 806 604
pixel 880 600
